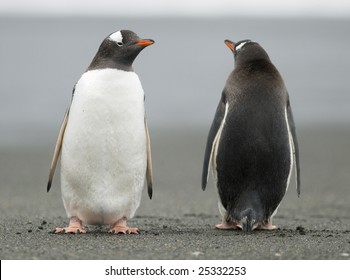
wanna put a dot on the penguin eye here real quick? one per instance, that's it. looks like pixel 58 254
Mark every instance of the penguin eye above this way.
pixel 120 44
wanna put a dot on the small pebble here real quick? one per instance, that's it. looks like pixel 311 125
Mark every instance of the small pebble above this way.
pixel 301 230
pixel 196 253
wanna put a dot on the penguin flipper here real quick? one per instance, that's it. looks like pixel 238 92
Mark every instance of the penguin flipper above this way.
pixel 295 145
pixel 213 137
pixel 58 148
pixel 149 170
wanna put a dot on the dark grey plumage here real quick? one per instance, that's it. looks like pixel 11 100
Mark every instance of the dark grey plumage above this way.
pixel 252 142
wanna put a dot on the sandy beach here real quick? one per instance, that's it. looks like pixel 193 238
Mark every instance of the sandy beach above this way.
pixel 178 223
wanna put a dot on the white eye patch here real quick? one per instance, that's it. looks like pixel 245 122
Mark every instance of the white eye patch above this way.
pixel 117 37
pixel 241 45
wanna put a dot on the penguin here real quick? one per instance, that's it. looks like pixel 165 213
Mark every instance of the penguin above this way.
pixel 104 140
pixel 252 143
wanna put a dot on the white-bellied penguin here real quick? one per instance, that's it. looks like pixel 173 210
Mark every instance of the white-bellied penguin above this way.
pixel 104 139
pixel 252 143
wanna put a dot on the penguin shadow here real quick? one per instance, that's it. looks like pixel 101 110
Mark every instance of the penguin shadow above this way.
pixel 90 230
pixel 298 231
pixel 280 232
pixel 188 224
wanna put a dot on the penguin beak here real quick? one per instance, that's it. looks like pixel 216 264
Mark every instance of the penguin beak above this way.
pixel 145 42
pixel 230 44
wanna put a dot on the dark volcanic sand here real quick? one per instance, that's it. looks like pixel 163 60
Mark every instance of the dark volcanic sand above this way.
pixel 178 223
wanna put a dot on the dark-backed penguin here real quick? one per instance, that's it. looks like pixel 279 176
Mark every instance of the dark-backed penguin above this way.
pixel 104 140
pixel 252 143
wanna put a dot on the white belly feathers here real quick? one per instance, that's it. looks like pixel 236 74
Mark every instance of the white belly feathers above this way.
pixel 104 147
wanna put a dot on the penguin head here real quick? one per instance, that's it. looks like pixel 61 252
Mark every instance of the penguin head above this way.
pixel 119 51
pixel 246 50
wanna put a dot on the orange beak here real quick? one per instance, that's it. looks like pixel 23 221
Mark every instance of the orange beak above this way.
pixel 230 44
pixel 145 42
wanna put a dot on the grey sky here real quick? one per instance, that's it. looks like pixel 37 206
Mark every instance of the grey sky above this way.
pixel 334 8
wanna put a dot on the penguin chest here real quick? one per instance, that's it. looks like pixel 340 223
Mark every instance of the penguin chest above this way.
pixel 103 161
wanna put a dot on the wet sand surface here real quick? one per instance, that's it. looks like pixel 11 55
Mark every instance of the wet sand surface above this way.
pixel 178 223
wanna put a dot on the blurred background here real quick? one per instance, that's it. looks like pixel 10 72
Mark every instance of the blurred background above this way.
pixel 45 46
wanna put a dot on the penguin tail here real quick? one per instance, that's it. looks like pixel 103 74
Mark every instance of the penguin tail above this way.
pixel 246 218
pixel 247 227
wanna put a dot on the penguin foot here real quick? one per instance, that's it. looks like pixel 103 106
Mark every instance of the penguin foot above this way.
pixel 225 225
pixel 120 227
pixel 75 226
pixel 268 226
pixel 123 230
pixel 70 230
